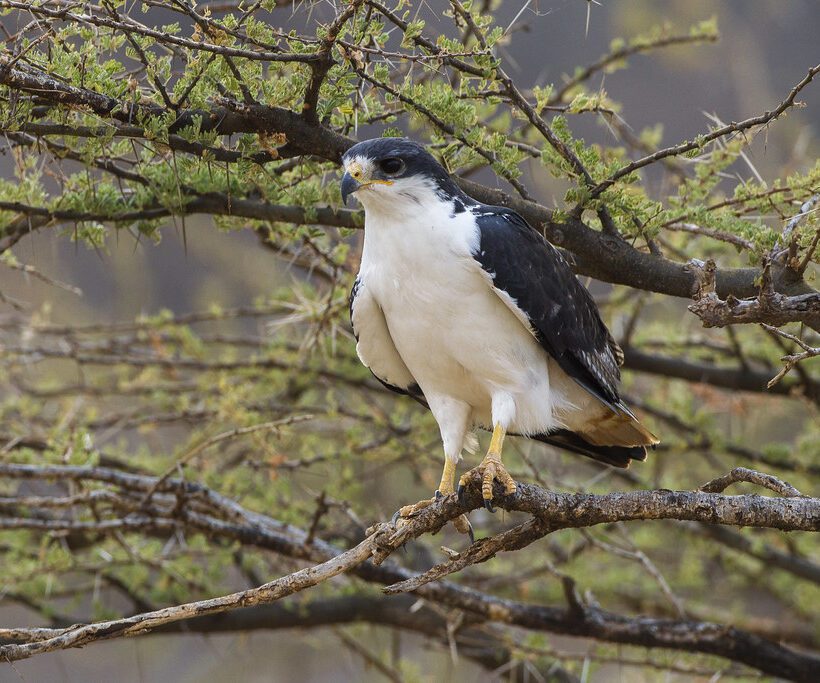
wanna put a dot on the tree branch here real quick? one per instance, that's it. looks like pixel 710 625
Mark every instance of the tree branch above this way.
pixel 760 120
pixel 602 256
pixel 774 309
pixel 737 378
pixel 744 474
pixel 623 53
pixel 215 204
pixel 80 635
pixel 551 511
pixel 484 644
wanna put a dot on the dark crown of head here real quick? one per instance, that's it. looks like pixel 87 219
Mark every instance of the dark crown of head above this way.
pixel 417 160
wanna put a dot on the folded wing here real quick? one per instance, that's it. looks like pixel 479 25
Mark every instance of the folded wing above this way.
pixel 538 285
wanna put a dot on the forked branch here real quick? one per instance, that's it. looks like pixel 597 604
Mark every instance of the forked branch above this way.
pixel 181 506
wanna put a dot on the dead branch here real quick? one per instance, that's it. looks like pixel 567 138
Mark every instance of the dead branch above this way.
pixel 80 635
pixel 773 309
pixel 792 359
pixel 551 511
pixel 769 306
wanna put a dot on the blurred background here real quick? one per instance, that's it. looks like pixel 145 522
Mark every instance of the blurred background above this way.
pixel 766 46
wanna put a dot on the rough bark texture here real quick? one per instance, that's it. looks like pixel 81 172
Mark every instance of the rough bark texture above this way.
pixel 550 511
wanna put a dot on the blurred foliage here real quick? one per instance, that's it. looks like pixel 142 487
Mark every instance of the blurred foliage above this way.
pixel 143 395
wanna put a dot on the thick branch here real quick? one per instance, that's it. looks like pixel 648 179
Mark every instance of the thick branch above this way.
pixel 572 510
pixel 560 510
pixel 772 308
pixel 236 118
pixel 739 378
pixel 610 259
pixel 598 255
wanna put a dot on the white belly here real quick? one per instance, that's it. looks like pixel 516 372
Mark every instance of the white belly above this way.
pixel 483 349
pixel 460 340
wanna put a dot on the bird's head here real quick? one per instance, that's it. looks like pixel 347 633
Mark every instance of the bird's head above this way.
pixel 385 172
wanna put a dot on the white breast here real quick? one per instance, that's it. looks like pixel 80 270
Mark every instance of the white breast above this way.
pixel 455 334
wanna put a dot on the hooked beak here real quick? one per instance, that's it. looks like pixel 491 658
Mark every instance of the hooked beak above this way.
pixel 349 186
pixel 355 178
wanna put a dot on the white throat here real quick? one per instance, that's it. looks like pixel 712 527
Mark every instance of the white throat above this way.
pixel 411 229
pixel 402 196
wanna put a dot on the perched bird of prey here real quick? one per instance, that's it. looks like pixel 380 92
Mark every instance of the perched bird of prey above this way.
pixel 468 309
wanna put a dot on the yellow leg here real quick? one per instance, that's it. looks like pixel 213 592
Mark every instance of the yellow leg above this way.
pixel 497 441
pixel 448 477
pixel 491 469
pixel 446 487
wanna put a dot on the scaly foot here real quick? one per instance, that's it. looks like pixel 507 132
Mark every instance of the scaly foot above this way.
pixel 461 523
pixel 491 469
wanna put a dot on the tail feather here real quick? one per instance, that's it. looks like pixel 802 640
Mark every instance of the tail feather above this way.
pixel 617 456
pixel 617 428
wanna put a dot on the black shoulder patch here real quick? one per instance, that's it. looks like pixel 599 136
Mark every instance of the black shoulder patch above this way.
pixel 562 313
pixel 458 206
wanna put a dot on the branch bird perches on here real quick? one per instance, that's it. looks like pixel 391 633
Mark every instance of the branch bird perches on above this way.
pixel 181 505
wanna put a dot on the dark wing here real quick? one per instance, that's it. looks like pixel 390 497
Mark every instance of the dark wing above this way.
pixel 561 312
pixel 375 345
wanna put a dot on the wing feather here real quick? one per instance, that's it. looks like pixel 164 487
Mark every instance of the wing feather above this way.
pixel 375 346
pixel 535 278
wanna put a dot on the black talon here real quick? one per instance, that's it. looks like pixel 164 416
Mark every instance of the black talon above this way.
pixel 439 495
pixel 489 505
pixel 470 532
pixel 460 492
pixel 395 517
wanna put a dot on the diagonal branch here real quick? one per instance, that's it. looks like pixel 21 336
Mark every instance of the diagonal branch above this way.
pixel 553 510
pixel 760 120
pixel 625 52
pixel 77 636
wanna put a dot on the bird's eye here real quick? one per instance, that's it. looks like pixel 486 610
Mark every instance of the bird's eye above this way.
pixel 391 166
